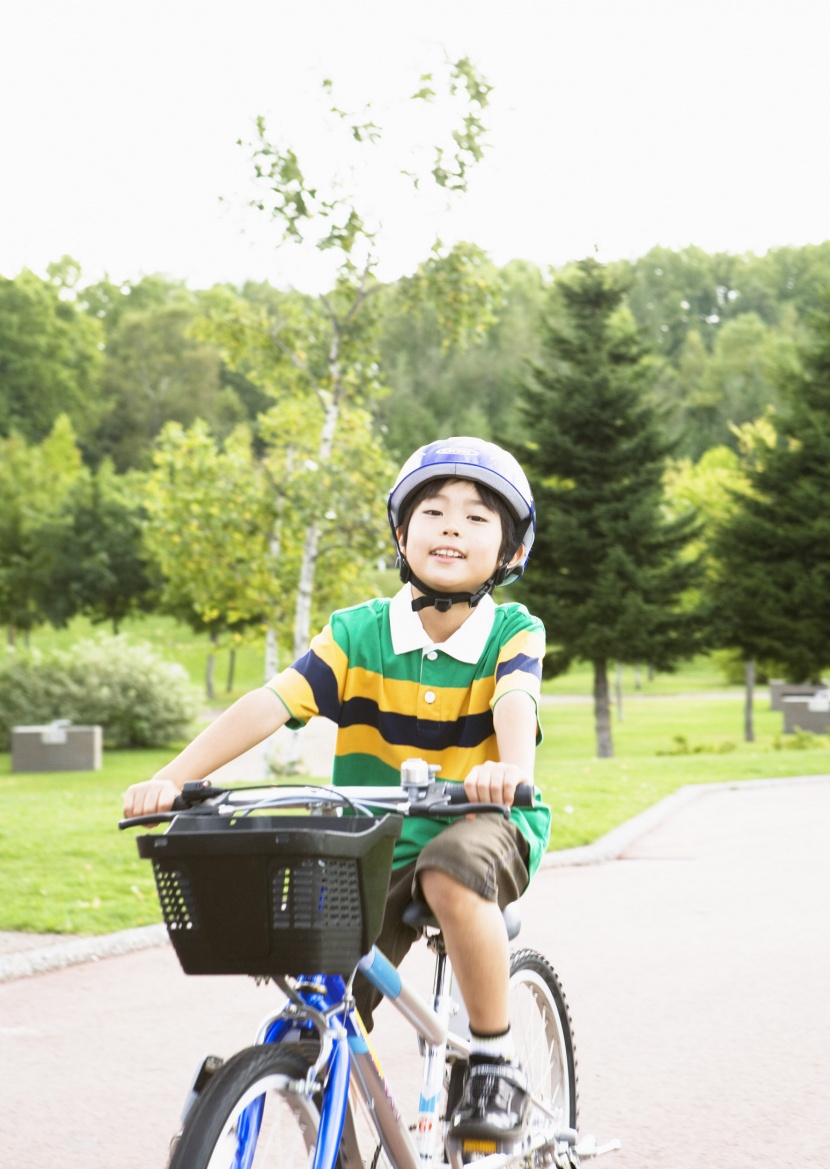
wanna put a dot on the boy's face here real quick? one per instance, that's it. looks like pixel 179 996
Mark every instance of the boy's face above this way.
pixel 453 540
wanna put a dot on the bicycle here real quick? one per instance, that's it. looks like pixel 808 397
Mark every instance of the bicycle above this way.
pixel 245 891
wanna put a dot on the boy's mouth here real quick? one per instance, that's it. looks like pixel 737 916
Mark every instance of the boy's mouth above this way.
pixel 452 553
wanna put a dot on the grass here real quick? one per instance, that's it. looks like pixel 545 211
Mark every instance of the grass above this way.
pixel 702 674
pixel 65 868
pixel 662 744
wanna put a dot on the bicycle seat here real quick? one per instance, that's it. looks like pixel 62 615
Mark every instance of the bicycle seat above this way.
pixel 418 916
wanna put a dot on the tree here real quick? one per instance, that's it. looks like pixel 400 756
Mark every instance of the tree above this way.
pixel 157 371
pixel 34 479
pixel 324 350
pixel 89 555
pixel 608 571
pixel 50 358
pixel 209 515
pixel 468 390
pixel 772 593
pixel 709 487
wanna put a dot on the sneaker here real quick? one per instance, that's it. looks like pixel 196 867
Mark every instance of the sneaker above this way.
pixel 494 1102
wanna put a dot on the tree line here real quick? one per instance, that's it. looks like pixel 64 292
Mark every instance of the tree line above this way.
pixel 223 454
pixel 178 468
pixel 123 360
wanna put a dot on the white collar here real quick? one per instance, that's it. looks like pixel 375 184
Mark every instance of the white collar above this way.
pixel 465 645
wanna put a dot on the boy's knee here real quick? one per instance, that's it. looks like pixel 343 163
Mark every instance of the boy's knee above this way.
pixel 445 894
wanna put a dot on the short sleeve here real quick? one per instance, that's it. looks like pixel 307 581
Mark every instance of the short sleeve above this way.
pixel 519 663
pixel 314 684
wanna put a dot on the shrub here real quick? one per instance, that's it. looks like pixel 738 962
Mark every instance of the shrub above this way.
pixel 682 746
pixel 139 699
pixel 799 741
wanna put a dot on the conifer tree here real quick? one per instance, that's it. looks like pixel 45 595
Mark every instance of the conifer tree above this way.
pixel 771 596
pixel 608 572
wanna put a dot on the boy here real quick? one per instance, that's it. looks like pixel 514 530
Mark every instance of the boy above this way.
pixel 443 673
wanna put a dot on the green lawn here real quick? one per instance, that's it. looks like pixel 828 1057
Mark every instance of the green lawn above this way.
pixel 65 867
pixel 662 744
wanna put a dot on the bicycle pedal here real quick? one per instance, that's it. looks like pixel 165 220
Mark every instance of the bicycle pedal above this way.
pixel 588 1147
pixel 483 1152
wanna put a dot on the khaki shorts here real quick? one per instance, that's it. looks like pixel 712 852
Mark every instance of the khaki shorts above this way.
pixel 488 854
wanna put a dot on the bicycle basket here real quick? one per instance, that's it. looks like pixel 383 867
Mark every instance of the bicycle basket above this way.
pixel 272 894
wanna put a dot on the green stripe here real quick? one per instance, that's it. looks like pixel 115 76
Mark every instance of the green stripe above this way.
pixel 360 769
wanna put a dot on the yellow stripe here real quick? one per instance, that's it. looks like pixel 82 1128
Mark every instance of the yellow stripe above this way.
pixel 296 693
pixel 528 641
pixel 401 697
pixel 456 762
pixel 391 695
pixel 330 652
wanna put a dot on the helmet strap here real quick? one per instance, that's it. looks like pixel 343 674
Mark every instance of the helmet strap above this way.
pixel 443 602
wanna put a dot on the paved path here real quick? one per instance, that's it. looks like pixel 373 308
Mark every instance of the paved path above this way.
pixel 696 967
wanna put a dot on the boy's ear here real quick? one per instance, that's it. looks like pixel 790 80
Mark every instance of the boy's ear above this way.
pixel 517 557
pixel 399 536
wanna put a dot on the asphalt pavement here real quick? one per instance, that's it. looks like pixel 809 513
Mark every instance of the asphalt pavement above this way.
pixel 693 945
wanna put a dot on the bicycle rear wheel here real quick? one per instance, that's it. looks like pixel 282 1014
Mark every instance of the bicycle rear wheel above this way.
pixel 540 1022
pixel 218 1134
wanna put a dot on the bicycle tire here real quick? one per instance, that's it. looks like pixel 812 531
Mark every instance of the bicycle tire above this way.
pixel 290 1123
pixel 540 1021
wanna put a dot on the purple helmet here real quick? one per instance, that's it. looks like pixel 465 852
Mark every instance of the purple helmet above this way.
pixel 480 461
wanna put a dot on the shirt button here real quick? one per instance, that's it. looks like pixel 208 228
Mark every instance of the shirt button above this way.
pixel 432 655
pixel 429 696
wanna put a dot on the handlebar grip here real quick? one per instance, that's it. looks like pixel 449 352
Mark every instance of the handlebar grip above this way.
pixel 524 797
pixel 154 818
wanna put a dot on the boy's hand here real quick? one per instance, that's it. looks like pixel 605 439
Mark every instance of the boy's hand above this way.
pixel 494 783
pixel 154 795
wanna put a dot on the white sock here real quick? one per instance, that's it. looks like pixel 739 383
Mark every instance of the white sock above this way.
pixel 493 1048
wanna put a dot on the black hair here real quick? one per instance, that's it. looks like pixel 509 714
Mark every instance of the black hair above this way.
pixel 510 536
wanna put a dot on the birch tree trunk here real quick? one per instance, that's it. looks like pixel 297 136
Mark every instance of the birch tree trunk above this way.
pixel 272 661
pixel 331 404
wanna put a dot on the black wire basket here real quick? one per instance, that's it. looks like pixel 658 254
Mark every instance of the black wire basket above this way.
pixel 272 894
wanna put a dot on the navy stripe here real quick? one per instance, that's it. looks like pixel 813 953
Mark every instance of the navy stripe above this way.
pixel 408 730
pixel 321 678
pixel 521 662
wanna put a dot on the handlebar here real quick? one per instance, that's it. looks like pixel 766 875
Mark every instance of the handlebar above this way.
pixel 420 795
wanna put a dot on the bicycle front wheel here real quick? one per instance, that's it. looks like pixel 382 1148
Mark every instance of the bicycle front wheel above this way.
pixel 222 1132
pixel 540 1022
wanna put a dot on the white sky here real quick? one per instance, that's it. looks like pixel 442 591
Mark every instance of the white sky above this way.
pixel 616 125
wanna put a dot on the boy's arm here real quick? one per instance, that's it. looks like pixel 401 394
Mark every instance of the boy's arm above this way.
pixel 251 719
pixel 515 723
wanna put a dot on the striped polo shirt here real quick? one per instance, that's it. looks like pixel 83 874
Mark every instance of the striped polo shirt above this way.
pixel 395 695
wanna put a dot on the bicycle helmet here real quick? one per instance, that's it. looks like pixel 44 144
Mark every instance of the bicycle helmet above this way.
pixel 482 462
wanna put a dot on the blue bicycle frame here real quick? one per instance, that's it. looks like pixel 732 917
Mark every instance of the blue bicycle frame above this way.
pixel 322 995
